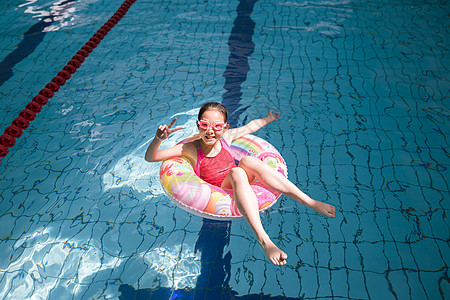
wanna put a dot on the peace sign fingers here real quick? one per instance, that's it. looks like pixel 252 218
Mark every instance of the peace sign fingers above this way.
pixel 164 131
pixel 173 122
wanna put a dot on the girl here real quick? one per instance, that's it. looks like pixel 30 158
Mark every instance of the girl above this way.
pixel 213 162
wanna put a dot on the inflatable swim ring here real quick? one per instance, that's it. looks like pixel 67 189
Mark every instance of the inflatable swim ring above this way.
pixel 196 196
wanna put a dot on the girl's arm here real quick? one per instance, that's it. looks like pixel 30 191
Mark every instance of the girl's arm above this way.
pixel 154 154
pixel 252 126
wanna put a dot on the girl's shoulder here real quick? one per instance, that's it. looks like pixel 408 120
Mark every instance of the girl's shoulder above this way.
pixel 190 145
pixel 190 148
pixel 190 151
pixel 228 137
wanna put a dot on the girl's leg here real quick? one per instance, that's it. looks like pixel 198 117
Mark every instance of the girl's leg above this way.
pixel 247 204
pixel 273 179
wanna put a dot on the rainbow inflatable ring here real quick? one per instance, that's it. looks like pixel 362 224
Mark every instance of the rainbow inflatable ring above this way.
pixel 200 198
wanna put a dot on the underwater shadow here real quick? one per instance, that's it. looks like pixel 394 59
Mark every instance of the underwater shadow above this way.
pixel 241 47
pixel 213 282
pixel 31 40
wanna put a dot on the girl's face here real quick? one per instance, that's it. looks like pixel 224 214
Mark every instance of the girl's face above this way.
pixel 211 135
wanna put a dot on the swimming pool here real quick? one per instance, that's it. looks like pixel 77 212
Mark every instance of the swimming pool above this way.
pixel 362 88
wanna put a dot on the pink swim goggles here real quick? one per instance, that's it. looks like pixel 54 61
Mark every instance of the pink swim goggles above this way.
pixel 216 126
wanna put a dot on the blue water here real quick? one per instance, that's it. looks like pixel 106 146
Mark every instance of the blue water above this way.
pixel 362 89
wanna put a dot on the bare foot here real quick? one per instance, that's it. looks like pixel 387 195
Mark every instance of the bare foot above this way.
pixel 325 209
pixel 273 253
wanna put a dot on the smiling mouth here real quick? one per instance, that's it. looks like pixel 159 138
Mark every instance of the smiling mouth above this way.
pixel 209 138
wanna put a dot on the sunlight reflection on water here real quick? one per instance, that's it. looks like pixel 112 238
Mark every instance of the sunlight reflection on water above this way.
pixel 134 172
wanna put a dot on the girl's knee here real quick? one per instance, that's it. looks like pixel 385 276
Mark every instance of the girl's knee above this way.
pixel 237 174
pixel 249 161
pixel 240 175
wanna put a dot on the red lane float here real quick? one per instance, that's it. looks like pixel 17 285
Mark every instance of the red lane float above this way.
pixel 3 150
pixel 33 106
pixel 64 74
pixel 54 87
pixel 7 140
pixel 15 130
pixel 21 122
pixel 28 114
pixel 41 100
pixel 59 80
pixel 47 93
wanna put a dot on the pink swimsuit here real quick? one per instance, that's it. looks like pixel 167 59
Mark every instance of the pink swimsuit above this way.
pixel 214 169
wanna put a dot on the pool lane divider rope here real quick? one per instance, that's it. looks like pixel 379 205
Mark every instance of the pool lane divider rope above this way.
pixel 22 122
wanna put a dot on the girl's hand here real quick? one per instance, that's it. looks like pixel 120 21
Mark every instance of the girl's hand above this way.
pixel 272 116
pixel 164 131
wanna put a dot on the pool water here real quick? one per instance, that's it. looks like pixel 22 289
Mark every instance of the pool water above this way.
pixel 362 89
